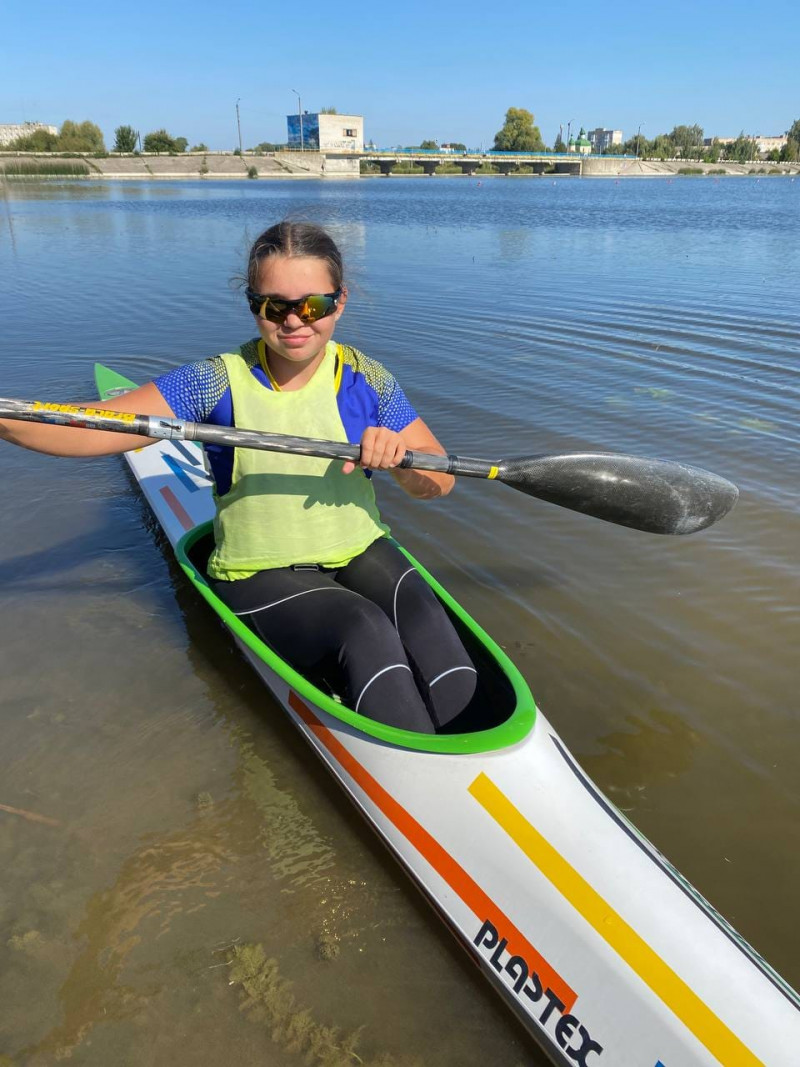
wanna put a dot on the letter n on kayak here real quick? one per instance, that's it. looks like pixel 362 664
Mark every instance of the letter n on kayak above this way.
pixel 448 869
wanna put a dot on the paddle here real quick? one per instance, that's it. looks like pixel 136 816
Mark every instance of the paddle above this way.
pixel 654 495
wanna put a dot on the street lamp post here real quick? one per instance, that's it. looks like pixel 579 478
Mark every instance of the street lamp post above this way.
pixel 637 138
pixel 239 126
pixel 300 116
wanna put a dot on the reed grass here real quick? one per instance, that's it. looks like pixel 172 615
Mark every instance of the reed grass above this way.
pixel 44 169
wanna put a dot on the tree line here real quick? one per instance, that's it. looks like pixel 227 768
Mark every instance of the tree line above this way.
pixel 518 134
pixel 688 142
pixel 87 138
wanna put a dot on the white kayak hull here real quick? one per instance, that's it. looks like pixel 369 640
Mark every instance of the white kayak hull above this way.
pixel 607 955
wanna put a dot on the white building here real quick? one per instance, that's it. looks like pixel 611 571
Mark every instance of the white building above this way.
pixel 11 131
pixel 765 145
pixel 769 144
pixel 324 132
pixel 601 139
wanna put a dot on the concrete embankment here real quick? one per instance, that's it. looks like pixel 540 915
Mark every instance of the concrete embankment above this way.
pixel 214 166
pixel 614 167
pixel 191 165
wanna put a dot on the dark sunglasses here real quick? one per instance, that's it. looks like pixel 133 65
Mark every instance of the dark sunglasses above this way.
pixel 307 308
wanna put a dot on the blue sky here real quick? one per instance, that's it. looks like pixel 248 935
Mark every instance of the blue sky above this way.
pixel 418 69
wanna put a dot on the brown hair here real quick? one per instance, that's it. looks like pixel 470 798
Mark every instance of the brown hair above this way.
pixel 295 239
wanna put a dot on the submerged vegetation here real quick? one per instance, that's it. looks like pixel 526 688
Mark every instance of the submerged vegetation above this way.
pixel 268 999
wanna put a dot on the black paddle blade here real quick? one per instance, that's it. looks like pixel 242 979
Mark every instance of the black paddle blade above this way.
pixel 654 495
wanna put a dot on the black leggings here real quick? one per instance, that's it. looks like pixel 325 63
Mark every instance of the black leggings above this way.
pixel 373 628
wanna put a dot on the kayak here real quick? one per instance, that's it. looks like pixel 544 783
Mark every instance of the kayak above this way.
pixel 603 950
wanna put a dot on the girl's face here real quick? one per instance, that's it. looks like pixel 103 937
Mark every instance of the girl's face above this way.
pixel 292 278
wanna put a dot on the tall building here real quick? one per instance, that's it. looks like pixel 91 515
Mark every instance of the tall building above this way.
pixel 11 131
pixel 601 139
pixel 321 131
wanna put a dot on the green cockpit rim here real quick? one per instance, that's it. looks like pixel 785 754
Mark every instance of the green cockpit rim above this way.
pixel 514 729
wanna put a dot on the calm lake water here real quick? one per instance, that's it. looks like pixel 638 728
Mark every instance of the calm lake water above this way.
pixel 657 317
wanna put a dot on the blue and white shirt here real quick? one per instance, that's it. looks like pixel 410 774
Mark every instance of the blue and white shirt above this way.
pixel 367 395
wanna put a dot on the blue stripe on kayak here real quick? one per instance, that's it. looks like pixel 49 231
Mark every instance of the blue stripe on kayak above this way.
pixel 184 451
pixel 179 472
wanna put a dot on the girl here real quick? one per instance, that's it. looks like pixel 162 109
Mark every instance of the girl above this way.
pixel 301 553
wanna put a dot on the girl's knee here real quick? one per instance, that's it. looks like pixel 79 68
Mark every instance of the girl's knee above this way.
pixel 451 692
pixel 360 619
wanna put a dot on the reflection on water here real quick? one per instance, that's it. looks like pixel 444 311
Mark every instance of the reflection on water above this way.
pixel 522 317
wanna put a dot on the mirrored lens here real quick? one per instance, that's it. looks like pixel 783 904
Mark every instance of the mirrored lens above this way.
pixel 316 307
pixel 309 309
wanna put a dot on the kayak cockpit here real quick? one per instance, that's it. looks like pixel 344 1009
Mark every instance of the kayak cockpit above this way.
pixel 501 713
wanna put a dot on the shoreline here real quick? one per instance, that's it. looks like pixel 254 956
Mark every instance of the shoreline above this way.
pixel 290 167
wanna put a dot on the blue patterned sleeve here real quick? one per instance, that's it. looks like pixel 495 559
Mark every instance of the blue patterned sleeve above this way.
pixel 194 390
pixel 374 392
pixel 395 410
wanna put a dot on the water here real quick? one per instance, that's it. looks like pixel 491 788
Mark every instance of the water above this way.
pixel 521 316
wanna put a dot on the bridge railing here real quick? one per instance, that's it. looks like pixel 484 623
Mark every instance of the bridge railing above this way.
pixel 486 154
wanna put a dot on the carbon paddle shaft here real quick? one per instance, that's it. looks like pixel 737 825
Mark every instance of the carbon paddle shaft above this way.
pixel 654 495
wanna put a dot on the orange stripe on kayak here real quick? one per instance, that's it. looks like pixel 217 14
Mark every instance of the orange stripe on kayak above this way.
pixel 180 512
pixel 482 906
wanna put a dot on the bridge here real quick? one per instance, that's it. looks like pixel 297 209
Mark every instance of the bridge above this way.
pixel 469 162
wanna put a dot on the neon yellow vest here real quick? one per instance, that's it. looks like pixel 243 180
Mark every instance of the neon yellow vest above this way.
pixel 283 509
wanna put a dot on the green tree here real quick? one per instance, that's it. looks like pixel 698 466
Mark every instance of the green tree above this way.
pixel 38 141
pixel 456 146
pixel 661 147
pixel 793 133
pixel 199 147
pixel 518 133
pixel 713 153
pixel 638 145
pixel 159 141
pixel 181 144
pixel 328 111
pixel 124 139
pixel 687 141
pixel 428 145
pixel 790 153
pixel 558 144
pixel 72 137
pixel 743 150
pixel 80 137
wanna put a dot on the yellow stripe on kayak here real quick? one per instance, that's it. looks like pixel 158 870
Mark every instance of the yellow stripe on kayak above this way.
pixel 634 950
pixel 493 472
